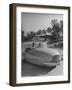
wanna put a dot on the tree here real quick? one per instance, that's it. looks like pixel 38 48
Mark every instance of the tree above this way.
pixel 56 29
pixel 22 34
pixel 61 25
pixel 44 31
pixel 31 33
pixel 30 36
pixel 39 32
pixel 53 22
pixel 49 29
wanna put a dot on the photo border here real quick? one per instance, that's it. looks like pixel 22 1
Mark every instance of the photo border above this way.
pixel 12 63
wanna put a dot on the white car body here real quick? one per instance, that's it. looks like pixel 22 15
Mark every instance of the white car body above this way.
pixel 43 56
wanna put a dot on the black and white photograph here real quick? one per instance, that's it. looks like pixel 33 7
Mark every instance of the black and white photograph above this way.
pixel 41 44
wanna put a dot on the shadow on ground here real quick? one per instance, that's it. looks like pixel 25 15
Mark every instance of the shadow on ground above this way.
pixel 29 69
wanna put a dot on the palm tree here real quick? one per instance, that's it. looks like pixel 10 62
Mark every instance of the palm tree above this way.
pixel 54 22
pixel 56 29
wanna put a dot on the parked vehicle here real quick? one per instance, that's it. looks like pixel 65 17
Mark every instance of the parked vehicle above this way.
pixel 43 56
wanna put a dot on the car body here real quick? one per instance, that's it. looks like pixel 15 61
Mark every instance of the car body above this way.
pixel 42 56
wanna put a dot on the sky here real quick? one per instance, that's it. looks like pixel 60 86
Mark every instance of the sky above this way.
pixel 36 21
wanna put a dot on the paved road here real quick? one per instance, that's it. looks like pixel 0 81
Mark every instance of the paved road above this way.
pixel 29 69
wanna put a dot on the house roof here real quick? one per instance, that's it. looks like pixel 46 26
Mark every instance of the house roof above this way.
pixel 47 34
